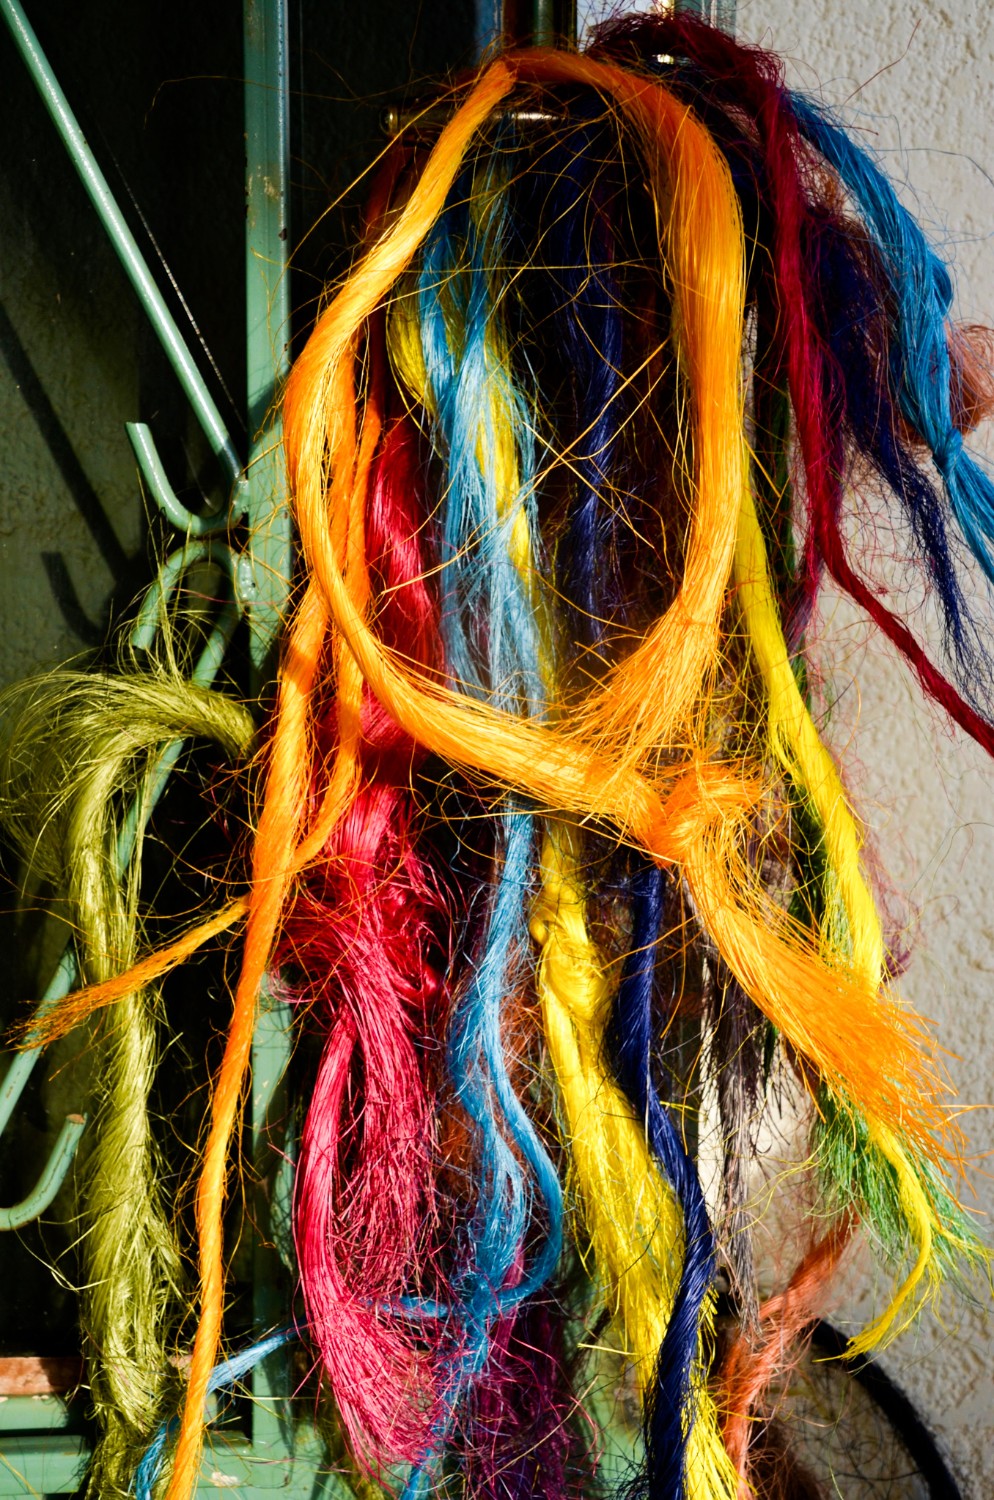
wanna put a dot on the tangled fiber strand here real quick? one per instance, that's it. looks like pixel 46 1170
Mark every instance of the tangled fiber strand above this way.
pixel 519 1417
pixel 671 1400
pixel 853 292
pixel 484 430
pixel 850 912
pixel 497 1279
pixel 849 919
pixel 574 236
pixel 345 884
pixel 365 935
pixel 914 1209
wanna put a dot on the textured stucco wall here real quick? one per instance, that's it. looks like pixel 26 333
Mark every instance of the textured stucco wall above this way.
pixel 919 81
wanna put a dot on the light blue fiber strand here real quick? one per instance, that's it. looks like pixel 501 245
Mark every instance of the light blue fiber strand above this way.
pixel 923 291
pixel 492 650
pixel 488 624
pixel 228 1373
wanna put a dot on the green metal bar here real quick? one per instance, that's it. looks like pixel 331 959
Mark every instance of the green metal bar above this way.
pixel 122 239
pixel 265 582
pixel 544 23
pixel 277 1458
pixel 40 1466
pixel 553 24
pixel 162 491
pixel 51 1179
pixel 22 1065
pixel 273 1436
pixel 720 13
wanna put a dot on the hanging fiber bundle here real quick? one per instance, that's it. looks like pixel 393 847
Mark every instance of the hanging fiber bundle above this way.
pixel 548 856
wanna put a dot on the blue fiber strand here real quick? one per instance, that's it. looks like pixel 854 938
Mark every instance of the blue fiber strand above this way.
pixel 223 1375
pixel 492 650
pixel 505 1206
pixel 922 290
pixel 669 1415
pixel 848 304
pixel 477 1064
pixel 488 623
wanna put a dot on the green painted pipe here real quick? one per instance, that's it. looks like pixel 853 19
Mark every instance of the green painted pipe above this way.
pixel 266 588
pixel 52 1177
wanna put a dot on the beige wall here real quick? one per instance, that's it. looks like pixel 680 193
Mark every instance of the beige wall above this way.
pixel 919 80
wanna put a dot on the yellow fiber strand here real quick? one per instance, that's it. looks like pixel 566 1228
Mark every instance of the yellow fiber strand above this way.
pixel 922 1226
pixel 856 930
pixel 632 1216
pixel 798 748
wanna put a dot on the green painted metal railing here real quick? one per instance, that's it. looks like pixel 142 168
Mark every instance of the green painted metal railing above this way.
pixel 35 1456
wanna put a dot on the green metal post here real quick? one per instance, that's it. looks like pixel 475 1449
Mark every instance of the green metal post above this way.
pixel 264 580
pixel 264 586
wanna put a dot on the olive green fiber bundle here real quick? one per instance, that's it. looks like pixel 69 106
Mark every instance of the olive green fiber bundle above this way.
pixel 79 762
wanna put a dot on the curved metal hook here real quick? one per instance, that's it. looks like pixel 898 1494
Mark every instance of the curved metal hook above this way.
pixel 52 1177
pixel 165 497
pixel 149 620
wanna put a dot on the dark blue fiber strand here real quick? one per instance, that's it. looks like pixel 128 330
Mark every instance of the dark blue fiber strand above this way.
pixel 848 305
pixel 564 235
pixel 581 244
pixel 669 1413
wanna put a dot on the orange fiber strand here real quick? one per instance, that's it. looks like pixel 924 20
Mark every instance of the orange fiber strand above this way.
pixel 645 700
pixel 274 864
pixel 271 861
pixel 784 1319
pixel 76 1006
